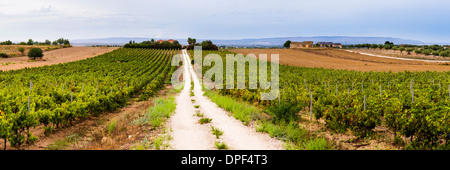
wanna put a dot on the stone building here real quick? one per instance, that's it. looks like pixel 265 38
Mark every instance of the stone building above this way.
pixel 304 44
pixel 330 44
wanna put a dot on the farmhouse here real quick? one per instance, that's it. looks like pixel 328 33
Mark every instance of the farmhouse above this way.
pixel 304 44
pixel 329 44
pixel 170 40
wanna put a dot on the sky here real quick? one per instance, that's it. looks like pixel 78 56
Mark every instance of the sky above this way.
pixel 423 20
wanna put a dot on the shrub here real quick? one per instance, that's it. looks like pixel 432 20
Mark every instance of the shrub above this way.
pixel 444 54
pixel 216 132
pixel 3 55
pixel 221 146
pixel 435 53
pixel 35 53
pixel 21 50
pixel 284 111
pixel 204 120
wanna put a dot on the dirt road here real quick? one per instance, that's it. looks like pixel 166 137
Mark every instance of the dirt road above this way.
pixel 398 58
pixel 187 133
pixel 62 55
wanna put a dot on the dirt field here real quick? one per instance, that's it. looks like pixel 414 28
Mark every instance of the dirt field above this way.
pixel 54 57
pixel 339 59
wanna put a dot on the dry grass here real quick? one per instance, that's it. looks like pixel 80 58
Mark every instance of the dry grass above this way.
pixel 13 50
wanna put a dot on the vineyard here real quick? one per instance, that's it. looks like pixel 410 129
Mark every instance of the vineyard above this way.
pixel 413 105
pixel 55 96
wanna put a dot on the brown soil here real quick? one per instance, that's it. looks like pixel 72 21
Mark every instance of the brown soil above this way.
pixel 339 59
pixel 92 133
pixel 62 55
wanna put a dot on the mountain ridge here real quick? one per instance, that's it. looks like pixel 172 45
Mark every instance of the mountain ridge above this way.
pixel 274 41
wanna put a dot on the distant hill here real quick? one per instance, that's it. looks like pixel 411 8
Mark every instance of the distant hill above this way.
pixel 262 42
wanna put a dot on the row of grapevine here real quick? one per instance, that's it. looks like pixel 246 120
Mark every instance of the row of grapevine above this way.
pixel 411 104
pixel 56 95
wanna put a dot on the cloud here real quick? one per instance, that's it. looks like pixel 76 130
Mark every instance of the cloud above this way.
pixel 233 19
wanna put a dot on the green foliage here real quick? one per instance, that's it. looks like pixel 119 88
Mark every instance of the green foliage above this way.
pixel 66 92
pixel 163 108
pixel 199 114
pixel 317 144
pixel 64 143
pixel 35 53
pixel 284 111
pixel 111 126
pixel 338 98
pixel 204 120
pixel 153 45
pixel 444 54
pixel 3 55
pixel 426 52
pixel 8 42
pixel 30 42
pixel 21 50
pixel 241 111
pixel 287 44
pixel 216 132
pixel 221 146
pixel 206 45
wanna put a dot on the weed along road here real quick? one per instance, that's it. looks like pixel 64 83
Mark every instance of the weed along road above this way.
pixel 189 133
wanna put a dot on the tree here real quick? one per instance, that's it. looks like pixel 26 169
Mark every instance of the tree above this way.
pixel 22 43
pixel 418 51
pixel 62 41
pixel 48 42
pixel 444 54
pixel 401 49
pixel 35 53
pixel 426 52
pixel 435 53
pixel 30 42
pixel 66 42
pixel 189 40
pixel 194 41
pixel 287 44
pixel 380 46
pixel 395 48
pixel 409 50
pixel 55 43
pixel 3 55
pixel 8 42
pixel 21 50
pixel 387 46
pixel 388 43
pixel 374 46
pixel 176 42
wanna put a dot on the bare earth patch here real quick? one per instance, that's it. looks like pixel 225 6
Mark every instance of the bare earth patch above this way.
pixel 62 55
